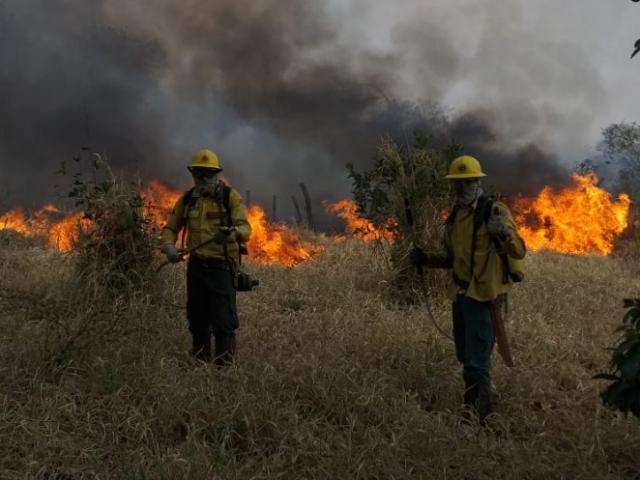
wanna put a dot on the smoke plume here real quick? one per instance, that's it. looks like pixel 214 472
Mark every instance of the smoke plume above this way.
pixel 285 91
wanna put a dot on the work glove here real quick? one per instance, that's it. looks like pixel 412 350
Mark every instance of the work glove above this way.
pixel 418 257
pixel 497 224
pixel 226 235
pixel 171 252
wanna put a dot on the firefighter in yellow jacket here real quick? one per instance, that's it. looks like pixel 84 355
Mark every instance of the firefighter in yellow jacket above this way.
pixel 212 215
pixel 484 251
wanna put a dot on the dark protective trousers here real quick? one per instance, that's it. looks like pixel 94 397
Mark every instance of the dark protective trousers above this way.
pixel 211 309
pixel 474 339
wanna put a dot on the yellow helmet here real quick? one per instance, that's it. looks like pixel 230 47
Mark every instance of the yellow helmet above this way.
pixel 465 167
pixel 205 159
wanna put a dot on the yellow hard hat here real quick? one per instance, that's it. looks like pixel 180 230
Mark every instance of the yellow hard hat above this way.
pixel 465 167
pixel 205 159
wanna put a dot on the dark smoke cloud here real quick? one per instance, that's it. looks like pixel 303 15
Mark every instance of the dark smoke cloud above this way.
pixel 66 80
pixel 521 171
pixel 272 86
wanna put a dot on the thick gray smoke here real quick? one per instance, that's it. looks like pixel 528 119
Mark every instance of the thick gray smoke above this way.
pixel 284 90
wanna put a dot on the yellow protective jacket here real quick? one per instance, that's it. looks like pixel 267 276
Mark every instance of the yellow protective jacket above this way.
pixel 488 271
pixel 202 221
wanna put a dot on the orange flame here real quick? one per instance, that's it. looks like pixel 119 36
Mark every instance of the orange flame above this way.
pixel 578 219
pixel 14 220
pixel 158 200
pixel 270 243
pixel 358 226
pixel 60 231
pixel 64 234
pixel 276 243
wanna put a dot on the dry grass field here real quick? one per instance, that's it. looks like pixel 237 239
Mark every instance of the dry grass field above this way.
pixel 333 380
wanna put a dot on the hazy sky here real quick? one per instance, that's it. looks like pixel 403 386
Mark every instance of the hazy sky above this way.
pixel 570 54
pixel 292 90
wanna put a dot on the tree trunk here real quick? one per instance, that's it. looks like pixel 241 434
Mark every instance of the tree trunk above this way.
pixel 297 209
pixel 307 204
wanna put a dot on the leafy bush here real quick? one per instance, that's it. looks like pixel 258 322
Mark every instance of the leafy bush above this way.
pixel 406 188
pixel 115 244
pixel 624 392
pixel 410 173
pixel 112 278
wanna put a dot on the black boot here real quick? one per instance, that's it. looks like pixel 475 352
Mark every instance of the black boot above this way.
pixel 470 400
pixel 471 395
pixel 201 348
pixel 484 403
pixel 225 349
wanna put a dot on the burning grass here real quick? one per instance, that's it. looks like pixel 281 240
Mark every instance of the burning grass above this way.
pixel 332 381
pixel 271 243
pixel 579 219
pixel 278 244
pixel 359 227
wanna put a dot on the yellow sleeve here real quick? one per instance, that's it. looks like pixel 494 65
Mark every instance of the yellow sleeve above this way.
pixel 513 245
pixel 239 216
pixel 174 224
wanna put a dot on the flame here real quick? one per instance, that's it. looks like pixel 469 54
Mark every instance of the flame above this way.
pixel 270 243
pixel 579 219
pixel 61 231
pixel 276 243
pixel 64 234
pixel 14 220
pixel 158 201
pixel 360 227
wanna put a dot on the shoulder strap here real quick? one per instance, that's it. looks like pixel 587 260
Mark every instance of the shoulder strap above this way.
pixel 226 202
pixel 480 216
pixel 188 203
pixel 504 259
pixel 226 220
pixel 452 216
pixel 188 197
pixel 483 210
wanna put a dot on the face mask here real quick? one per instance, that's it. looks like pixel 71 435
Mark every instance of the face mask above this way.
pixel 205 183
pixel 466 192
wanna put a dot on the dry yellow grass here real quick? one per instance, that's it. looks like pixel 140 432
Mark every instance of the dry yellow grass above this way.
pixel 332 381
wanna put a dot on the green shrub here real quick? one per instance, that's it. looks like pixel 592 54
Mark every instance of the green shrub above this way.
pixel 116 245
pixel 406 188
pixel 623 393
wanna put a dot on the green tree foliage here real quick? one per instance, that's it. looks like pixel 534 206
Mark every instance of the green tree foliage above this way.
pixel 621 141
pixel 624 392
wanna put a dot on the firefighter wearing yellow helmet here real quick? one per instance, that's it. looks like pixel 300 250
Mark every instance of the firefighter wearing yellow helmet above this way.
pixel 484 251
pixel 213 218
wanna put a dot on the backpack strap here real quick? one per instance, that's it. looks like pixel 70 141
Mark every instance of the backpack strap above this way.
pixel 452 217
pixel 484 214
pixel 480 215
pixel 188 197
pixel 188 201
pixel 226 203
